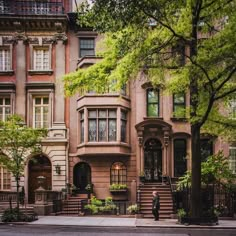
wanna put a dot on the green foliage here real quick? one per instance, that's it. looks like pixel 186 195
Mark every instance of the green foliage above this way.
pixel 14 215
pixel 17 141
pixel 97 206
pixel 133 209
pixel 214 170
pixel 118 186
pixel 181 213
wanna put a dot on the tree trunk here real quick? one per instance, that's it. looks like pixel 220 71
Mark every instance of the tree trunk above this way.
pixel 17 196
pixel 196 172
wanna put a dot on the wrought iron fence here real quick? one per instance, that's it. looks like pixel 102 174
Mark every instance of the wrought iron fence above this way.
pixel 214 197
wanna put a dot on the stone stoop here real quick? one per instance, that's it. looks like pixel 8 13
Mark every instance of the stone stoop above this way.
pixel 72 205
pixel 166 202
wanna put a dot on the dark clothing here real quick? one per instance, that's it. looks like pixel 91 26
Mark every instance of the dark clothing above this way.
pixel 156 207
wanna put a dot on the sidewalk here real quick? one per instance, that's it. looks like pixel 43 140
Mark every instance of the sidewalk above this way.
pixel 122 222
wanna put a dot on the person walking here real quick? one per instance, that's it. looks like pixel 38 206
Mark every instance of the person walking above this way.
pixel 155 205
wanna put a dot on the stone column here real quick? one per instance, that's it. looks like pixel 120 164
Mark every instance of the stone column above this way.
pixel 60 69
pixel 20 75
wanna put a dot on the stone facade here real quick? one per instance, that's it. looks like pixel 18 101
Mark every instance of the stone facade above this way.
pixel 80 157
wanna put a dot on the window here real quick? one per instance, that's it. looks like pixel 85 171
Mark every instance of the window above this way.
pixel 102 125
pixel 40 7
pixel 87 47
pixel 206 148
pixel 232 107
pixel 123 126
pixel 232 159
pixel 118 173
pixel 82 126
pixel 5 179
pixel 41 58
pixel 5 61
pixel 180 162
pixel 41 112
pixel 5 108
pixel 152 102
pixel 179 105
pixel 4 8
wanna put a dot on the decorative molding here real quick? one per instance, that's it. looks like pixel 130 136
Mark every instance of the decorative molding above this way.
pixel 40 72
pixel 7 86
pixel 61 37
pixel 8 40
pixel 39 85
pixel 8 72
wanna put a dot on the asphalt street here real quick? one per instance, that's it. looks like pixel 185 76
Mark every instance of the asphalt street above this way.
pixel 49 230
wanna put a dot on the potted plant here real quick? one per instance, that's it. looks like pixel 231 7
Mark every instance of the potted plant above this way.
pixel 118 188
pixel 181 213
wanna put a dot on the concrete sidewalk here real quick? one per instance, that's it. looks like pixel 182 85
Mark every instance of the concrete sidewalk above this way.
pixel 122 222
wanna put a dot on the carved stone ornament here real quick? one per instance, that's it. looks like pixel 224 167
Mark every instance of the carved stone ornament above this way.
pixel 61 37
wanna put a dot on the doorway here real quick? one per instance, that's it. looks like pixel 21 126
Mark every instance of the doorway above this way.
pixel 38 166
pixel 153 160
pixel 82 176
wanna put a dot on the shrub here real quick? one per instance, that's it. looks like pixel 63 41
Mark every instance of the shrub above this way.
pixel 133 209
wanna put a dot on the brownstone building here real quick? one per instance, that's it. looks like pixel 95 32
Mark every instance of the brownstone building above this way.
pixel 92 139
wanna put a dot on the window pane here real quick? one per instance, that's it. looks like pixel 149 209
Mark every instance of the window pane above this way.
pixel 153 96
pixel 87 47
pixel 37 100
pixel 112 130
pixel 92 132
pixel 45 100
pixel 206 148
pixel 179 98
pixel 112 114
pixel 82 131
pixel 123 131
pixel 92 114
pixel 102 132
pixel 102 113
pixel 153 110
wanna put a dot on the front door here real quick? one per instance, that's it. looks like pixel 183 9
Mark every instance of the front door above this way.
pixel 82 176
pixel 38 166
pixel 153 160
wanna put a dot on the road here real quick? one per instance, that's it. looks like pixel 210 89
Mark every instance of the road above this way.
pixel 47 230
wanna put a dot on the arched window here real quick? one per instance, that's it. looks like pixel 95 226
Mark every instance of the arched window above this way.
pixel 118 173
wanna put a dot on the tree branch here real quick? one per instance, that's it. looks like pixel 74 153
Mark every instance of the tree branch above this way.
pixel 225 94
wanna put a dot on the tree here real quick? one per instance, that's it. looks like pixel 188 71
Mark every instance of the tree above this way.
pixel 17 141
pixel 186 45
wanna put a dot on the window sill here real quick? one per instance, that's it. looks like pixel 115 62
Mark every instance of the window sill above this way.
pixel 40 72
pixel 7 72
pixel 175 119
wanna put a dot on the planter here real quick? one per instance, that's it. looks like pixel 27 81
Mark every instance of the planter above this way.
pixel 118 191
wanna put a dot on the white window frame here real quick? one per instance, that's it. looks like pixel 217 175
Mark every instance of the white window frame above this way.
pixel 41 106
pixel 6 66
pixel 2 178
pixel 41 50
pixel 4 106
pixel 232 163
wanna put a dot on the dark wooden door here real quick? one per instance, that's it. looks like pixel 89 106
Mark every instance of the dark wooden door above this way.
pixel 153 160
pixel 82 176
pixel 38 166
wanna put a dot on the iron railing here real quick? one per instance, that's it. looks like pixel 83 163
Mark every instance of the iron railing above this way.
pixel 214 197
pixel 53 7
